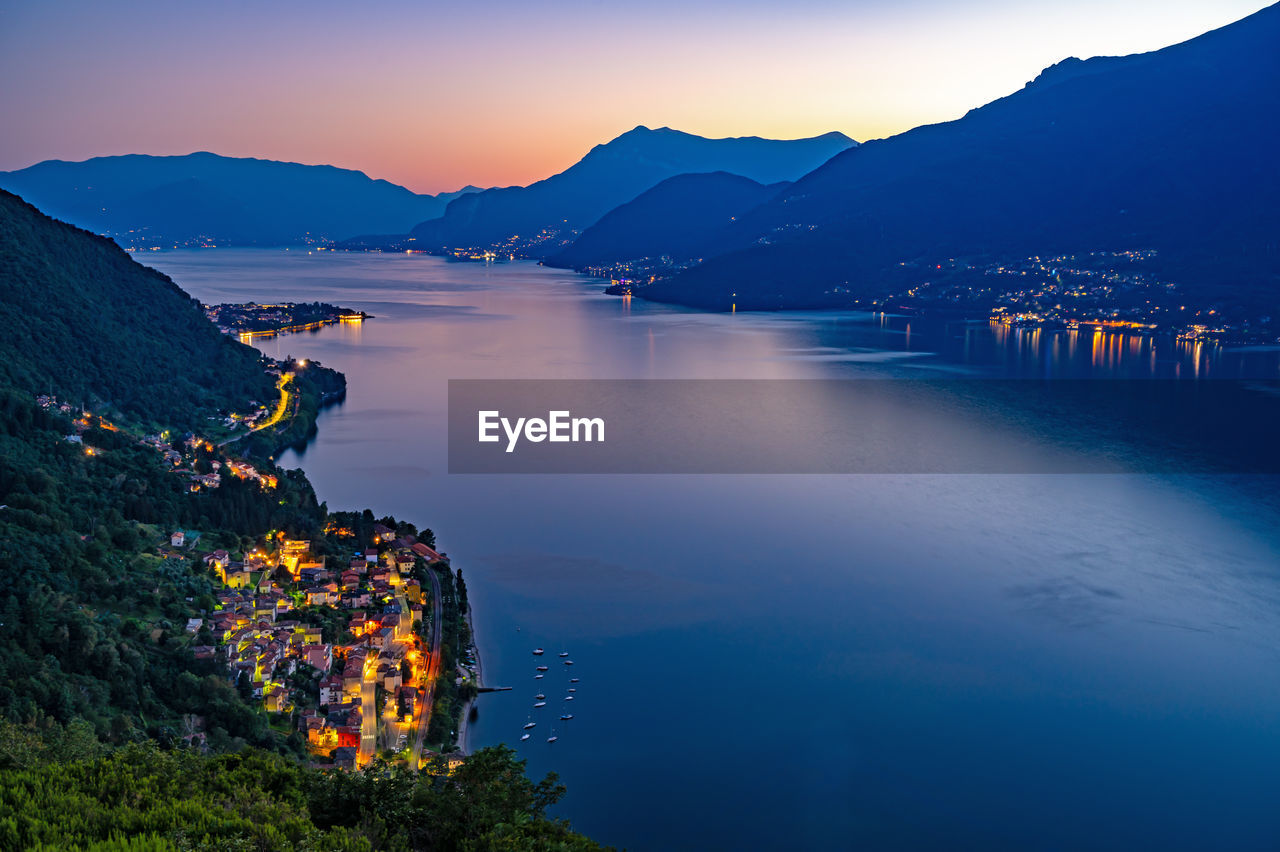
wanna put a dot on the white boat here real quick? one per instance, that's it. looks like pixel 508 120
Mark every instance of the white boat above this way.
pixel 568 662
pixel 537 677
pixel 541 668
pixel 540 704
pixel 568 698
pixel 530 724
pixel 573 680
pixel 524 737
pixel 553 737
pixel 537 652
pixel 564 653
pixel 573 689
pixel 566 717
pixel 539 696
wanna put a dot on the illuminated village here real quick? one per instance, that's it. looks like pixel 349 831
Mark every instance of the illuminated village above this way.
pixel 346 654
pixel 374 675
pixel 250 320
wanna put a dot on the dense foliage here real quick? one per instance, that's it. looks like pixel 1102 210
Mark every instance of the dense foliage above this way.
pixel 91 618
pixel 143 798
pixel 89 324
pixel 101 695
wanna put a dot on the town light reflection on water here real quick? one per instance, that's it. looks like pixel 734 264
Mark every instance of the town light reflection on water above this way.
pixel 1095 634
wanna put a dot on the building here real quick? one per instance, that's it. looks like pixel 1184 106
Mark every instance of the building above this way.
pixel 345 757
pixel 330 690
pixel 427 553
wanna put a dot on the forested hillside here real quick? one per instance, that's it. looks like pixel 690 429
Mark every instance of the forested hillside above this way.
pixel 142 799
pixel 120 724
pixel 87 323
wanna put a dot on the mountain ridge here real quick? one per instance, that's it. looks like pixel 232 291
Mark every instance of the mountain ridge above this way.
pixel 608 175
pixel 1166 150
pixel 149 199
pixel 667 219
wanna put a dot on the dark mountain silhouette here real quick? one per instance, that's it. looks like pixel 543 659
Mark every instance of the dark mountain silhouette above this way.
pixel 613 174
pixel 91 325
pixel 673 219
pixel 1173 150
pixel 227 199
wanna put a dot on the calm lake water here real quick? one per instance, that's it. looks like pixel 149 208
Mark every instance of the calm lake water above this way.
pixel 816 662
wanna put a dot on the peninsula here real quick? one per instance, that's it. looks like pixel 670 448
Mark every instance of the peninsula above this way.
pixel 182 615
pixel 250 320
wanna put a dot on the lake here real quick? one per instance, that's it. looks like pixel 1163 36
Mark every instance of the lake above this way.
pixel 892 661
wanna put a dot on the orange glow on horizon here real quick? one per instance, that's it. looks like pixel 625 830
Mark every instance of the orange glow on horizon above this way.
pixel 436 96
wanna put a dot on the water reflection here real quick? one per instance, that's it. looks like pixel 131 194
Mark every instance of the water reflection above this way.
pixel 898 662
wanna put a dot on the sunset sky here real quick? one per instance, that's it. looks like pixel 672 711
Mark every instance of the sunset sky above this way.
pixel 438 95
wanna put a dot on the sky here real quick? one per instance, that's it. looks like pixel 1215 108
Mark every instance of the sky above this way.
pixel 436 95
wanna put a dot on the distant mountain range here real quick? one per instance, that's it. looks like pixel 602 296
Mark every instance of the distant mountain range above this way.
pixel 94 327
pixel 1174 150
pixel 542 217
pixel 146 200
pixel 1171 153
pixel 673 219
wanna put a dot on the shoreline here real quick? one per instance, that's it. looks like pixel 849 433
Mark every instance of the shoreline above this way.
pixel 464 729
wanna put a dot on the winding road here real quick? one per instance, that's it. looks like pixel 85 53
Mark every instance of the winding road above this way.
pixel 276 416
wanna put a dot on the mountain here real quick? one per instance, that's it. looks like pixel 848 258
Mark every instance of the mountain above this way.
pixel 109 674
pixel 91 644
pixel 671 219
pixel 146 200
pixel 89 324
pixel 540 215
pixel 1172 150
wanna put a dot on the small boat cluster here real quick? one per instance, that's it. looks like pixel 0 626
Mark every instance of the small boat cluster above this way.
pixel 540 700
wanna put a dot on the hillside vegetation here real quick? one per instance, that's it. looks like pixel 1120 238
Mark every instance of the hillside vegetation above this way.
pixel 114 733
pixel 87 323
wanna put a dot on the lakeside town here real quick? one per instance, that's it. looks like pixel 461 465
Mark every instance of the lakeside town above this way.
pixel 365 657
pixel 1112 290
pixel 249 320
pixel 359 684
